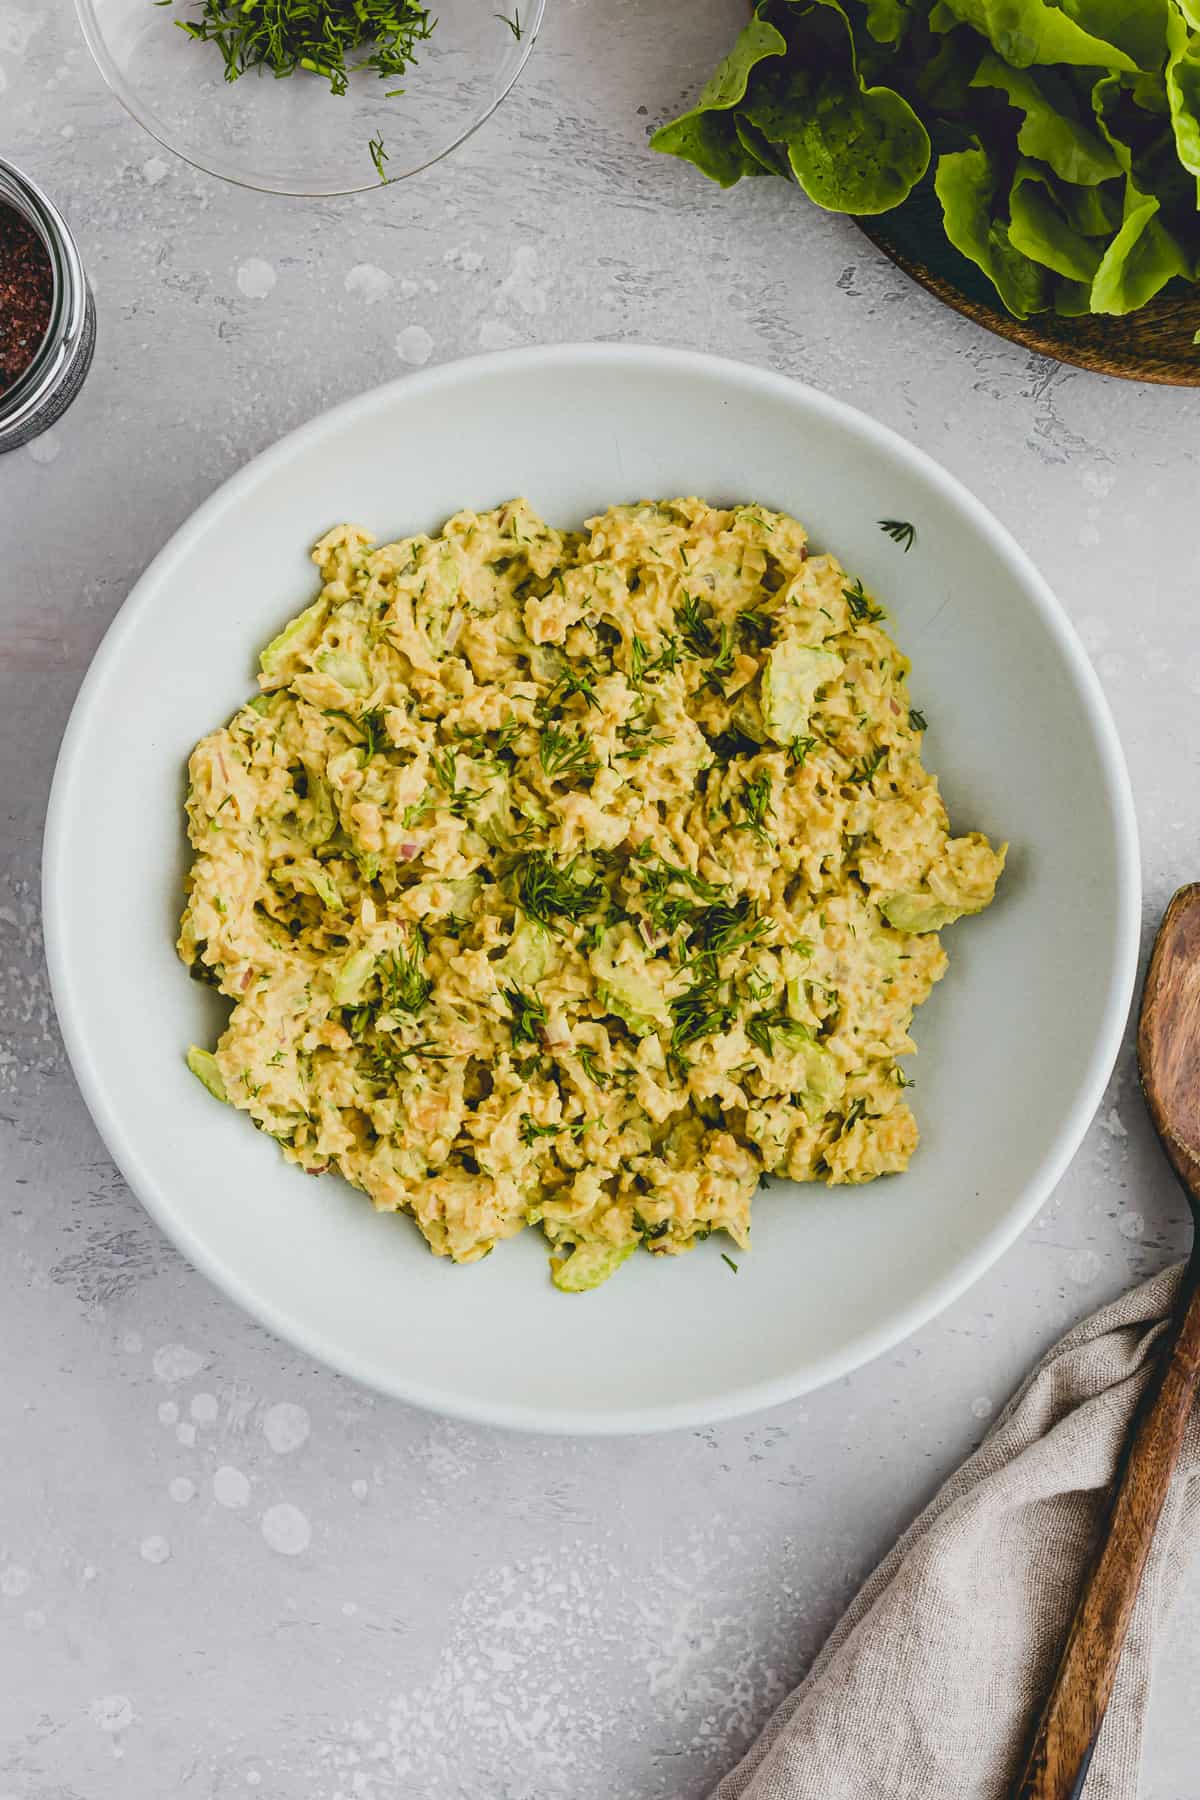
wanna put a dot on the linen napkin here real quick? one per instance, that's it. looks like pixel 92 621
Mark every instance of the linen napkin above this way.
pixel 929 1686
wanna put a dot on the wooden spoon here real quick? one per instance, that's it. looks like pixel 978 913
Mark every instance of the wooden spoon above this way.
pixel 1168 1048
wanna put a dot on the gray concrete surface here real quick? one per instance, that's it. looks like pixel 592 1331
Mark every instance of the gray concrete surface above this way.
pixel 439 1611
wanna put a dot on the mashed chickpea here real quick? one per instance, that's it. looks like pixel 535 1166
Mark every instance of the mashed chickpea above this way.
pixel 576 879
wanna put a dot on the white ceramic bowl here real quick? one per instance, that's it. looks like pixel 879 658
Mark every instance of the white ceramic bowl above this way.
pixel 1016 1044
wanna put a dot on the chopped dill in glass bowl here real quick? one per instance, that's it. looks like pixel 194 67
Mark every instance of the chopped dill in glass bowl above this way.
pixel 354 112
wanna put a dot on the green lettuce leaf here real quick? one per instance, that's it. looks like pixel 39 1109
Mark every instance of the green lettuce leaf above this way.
pixel 1073 299
pixel 1183 96
pixel 1050 130
pixel 1144 121
pixel 1040 228
pixel 771 158
pixel 708 134
pixel 1140 261
pixel 1136 27
pixel 886 20
pixel 853 148
pixel 1029 32
pixel 966 182
pixel 729 80
pixel 711 141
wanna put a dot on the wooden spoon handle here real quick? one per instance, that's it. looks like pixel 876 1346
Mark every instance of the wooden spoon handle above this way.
pixel 1066 1731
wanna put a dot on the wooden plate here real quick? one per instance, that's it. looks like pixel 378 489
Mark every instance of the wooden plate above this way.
pixel 1154 344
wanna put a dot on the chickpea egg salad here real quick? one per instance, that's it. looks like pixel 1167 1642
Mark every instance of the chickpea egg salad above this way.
pixel 576 879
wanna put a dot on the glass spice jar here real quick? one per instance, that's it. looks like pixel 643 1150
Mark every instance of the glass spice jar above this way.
pixel 42 392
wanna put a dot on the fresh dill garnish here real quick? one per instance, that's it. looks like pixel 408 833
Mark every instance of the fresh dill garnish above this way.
pixel 694 627
pixel 667 658
pixel 414 813
pixel 403 981
pixel 729 1262
pixel 379 156
pixel 755 799
pixel 860 606
pixel 586 1058
pixel 900 532
pixel 510 729
pixel 327 38
pixel 528 1015
pixel 798 750
pixel 757 628
pixel 530 1132
pixel 643 666
pixel 373 726
pixel 444 764
pixel 640 738
pixel 703 1010
pixel 387 1059
pixel 665 910
pixel 722 662
pixel 869 767
pixel 571 681
pixel 566 755
pixel 856 1112
pixel 638 750
pixel 916 719
pixel 650 1233
pixel 726 925
pixel 514 24
pixel 548 893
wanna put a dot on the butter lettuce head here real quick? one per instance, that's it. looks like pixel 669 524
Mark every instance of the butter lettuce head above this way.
pixel 1060 139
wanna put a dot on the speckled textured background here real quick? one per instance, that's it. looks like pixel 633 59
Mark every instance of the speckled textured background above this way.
pixel 222 1569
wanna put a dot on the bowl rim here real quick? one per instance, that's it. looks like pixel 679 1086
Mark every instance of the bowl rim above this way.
pixel 113 79
pixel 752 1396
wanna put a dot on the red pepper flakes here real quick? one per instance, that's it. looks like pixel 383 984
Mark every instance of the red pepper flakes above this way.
pixel 26 295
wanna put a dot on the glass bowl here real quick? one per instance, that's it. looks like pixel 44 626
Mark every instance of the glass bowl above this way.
pixel 294 136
